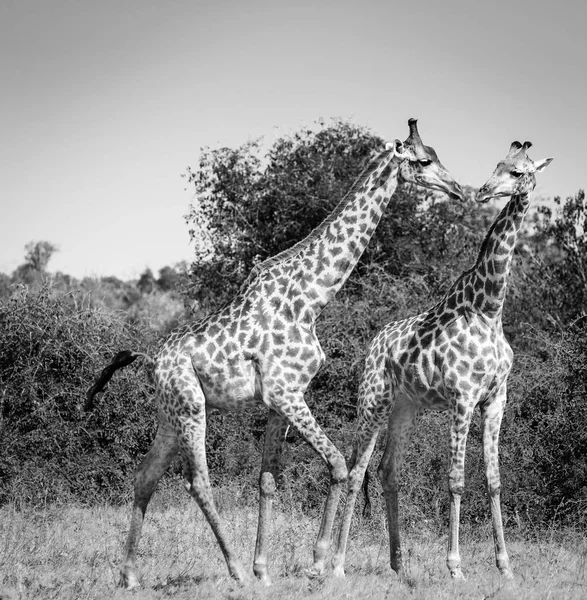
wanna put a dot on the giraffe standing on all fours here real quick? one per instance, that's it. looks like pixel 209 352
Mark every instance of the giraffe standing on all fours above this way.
pixel 262 348
pixel 452 357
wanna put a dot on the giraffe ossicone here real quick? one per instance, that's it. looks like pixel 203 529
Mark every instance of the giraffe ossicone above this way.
pixel 453 357
pixel 262 348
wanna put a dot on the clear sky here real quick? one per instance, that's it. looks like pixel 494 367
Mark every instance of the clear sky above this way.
pixel 104 104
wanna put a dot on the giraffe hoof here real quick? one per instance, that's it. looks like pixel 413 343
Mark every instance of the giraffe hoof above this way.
pixel 457 575
pixel 339 572
pixel 237 571
pixel 129 581
pixel 507 574
pixel 313 572
pixel 262 575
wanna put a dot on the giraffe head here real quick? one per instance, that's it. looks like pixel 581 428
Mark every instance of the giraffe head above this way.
pixel 420 165
pixel 515 174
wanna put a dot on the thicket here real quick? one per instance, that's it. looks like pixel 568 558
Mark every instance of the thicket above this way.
pixel 249 205
pixel 52 345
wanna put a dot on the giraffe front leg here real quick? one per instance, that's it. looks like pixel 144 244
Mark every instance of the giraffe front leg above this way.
pixel 491 415
pixel 338 476
pixel 149 472
pixel 275 433
pixel 365 443
pixel 461 417
pixel 293 408
pixel 453 558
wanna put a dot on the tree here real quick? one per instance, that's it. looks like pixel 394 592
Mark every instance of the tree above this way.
pixel 5 282
pixel 38 255
pixel 248 207
pixel 566 233
pixel 36 260
pixel 169 279
pixel 552 280
pixel 147 283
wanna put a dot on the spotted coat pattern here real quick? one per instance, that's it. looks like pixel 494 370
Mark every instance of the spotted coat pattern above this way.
pixel 452 357
pixel 262 348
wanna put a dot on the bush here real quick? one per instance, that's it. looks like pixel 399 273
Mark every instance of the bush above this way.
pixel 51 349
pixel 545 433
pixel 55 341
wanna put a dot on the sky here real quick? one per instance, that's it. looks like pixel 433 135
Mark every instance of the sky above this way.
pixel 104 105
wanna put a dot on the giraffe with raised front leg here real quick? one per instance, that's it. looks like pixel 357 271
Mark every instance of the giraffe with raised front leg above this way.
pixel 452 357
pixel 262 348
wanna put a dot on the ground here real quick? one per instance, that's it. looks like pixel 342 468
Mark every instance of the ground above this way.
pixel 73 552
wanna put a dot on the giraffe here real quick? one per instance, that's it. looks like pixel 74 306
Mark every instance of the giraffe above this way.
pixel 262 348
pixel 453 357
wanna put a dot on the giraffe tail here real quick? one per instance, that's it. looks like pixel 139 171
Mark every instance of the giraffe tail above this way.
pixel 122 359
pixel 367 507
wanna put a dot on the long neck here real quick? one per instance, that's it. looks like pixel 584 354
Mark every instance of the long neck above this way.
pixel 490 274
pixel 319 265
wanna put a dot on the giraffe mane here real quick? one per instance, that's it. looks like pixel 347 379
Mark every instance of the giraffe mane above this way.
pixel 490 231
pixel 485 242
pixel 292 251
pixel 480 254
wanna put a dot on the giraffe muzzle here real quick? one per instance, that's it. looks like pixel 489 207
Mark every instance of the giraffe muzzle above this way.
pixel 484 195
pixel 456 192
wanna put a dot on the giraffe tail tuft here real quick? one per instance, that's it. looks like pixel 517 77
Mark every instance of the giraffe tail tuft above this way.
pixel 122 359
pixel 367 506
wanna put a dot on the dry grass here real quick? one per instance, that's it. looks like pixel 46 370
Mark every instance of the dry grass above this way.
pixel 74 553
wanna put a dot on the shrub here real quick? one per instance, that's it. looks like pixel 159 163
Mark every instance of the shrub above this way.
pixel 51 349
pixel 545 434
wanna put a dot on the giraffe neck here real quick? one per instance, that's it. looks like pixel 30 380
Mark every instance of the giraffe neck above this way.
pixel 490 274
pixel 318 266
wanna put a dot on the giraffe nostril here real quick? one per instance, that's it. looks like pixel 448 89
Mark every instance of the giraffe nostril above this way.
pixel 483 195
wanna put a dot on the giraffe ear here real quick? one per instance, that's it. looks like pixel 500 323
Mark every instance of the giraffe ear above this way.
pixel 540 165
pixel 398 147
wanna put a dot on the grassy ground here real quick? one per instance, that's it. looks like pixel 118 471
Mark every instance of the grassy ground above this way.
pixel 74 553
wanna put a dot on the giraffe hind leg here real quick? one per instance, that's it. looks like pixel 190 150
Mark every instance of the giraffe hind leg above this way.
pixel 364 445
pixel 148 474
pixel 189 422
pixel 459 430
pixel 491 416
pixel 275 433
pixel 401 425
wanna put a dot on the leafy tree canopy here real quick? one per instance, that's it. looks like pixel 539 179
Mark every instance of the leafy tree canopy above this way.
pixel 249 206
pixel 36 260
pixel 565 253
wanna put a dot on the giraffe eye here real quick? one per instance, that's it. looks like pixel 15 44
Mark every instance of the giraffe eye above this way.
pixel 516 174
pixel 424 162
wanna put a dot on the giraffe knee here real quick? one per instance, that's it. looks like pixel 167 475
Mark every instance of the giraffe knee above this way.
pixel 145 482
pixel 493 482
pixel 494 487
pixel 338 470
pixel 456 482
pixel 356 477
pixel 267 485
pixel 389 485
pixel 387 476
